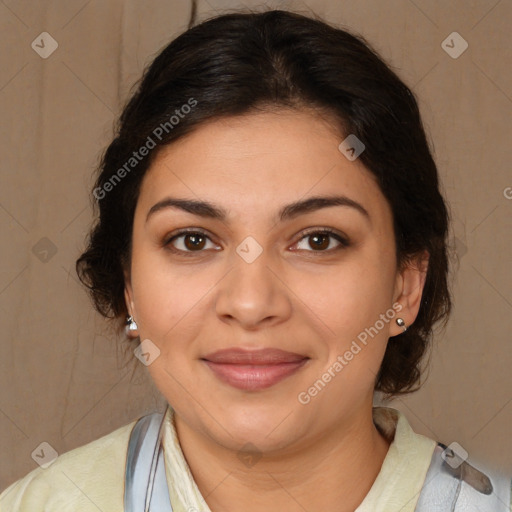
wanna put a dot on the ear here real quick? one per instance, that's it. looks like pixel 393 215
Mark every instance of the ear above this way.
pixel 409 285
pixel 130 305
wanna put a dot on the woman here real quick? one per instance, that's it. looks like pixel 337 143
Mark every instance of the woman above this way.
pixel 271 228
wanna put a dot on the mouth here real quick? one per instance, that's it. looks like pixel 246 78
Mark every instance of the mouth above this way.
pixel 253 370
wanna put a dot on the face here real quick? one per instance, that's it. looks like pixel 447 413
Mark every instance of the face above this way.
pixel 304 293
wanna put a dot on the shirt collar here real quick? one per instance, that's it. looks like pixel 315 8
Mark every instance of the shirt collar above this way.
pixel 397 485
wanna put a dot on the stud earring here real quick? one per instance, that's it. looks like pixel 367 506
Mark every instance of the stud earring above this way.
pixel 400 322
pixel 131 324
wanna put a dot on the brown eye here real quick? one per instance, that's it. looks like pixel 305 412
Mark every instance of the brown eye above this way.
pixel 321 241
pixel 189 241
pixel 194 241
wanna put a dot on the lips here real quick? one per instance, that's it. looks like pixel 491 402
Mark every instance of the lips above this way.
pixel 253 370
pixel 257 357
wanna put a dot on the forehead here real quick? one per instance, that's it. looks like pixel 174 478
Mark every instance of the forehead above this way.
pixel 258 162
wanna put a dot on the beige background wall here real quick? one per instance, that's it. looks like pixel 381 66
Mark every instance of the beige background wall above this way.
pixel 60 379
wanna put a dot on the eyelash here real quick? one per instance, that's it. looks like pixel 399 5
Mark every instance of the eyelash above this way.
pixel 343 241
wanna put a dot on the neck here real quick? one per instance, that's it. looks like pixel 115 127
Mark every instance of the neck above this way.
pixel 333 472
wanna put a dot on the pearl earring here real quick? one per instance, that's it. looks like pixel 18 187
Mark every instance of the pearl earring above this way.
pixel 131 324
pixel 400 322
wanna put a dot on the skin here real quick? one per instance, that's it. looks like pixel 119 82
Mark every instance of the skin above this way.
pixel 324 455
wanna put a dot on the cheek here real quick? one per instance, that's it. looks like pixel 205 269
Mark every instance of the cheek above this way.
pixel 351 296
pixel 351 303
pixel 171 301
pixel 161 296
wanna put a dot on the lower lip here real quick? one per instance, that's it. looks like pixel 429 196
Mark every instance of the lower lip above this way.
pixel 254 377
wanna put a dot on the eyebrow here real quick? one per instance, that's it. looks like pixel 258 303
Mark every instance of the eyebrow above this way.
pixel 209 210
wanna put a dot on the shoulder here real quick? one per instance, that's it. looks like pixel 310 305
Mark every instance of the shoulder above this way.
pixel 90 477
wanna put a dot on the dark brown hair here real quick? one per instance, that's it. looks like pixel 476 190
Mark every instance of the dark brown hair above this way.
pixel 235 63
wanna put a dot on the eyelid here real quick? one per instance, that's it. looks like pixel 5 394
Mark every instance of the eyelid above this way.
pixel 184 231
pixel 325 230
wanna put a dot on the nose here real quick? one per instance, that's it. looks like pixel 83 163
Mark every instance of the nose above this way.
pixel 253 295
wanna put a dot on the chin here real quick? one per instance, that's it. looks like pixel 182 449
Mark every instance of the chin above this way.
pixel 265 426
